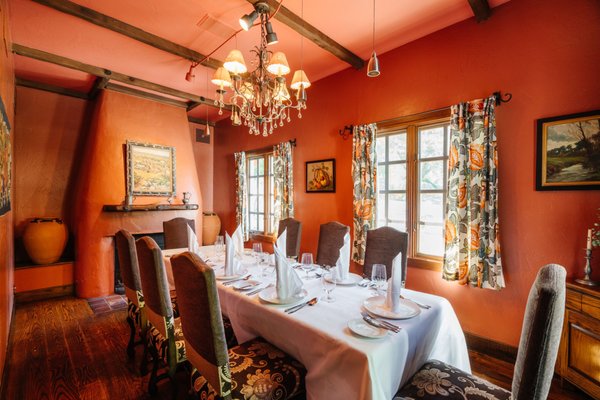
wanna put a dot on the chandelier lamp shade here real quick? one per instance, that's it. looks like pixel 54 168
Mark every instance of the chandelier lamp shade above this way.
pixel 260 99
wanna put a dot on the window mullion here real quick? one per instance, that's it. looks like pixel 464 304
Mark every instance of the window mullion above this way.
pixel 412 188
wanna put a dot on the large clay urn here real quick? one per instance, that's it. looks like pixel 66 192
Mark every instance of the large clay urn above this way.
pixel 211 226
pixel 45 239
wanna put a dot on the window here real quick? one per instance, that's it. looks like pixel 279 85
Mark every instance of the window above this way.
pixel 260 193
pixel 412 171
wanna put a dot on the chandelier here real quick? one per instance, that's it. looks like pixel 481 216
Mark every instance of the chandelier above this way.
pixel 260 99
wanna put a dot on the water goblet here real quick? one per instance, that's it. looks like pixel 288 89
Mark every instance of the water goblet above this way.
pixel 307 262
pixel 378 277
pixel 328 280
pixel 256 251
pixel 220 245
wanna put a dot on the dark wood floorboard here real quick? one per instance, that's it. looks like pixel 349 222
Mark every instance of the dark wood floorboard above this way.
pixel 62 350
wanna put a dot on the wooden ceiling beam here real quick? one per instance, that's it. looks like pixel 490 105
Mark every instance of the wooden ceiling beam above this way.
pixel 305 29
pixel 106 73
pixel 50 88
pixel 481 9
pixel 99 84
pixel 128 30
pixel 145 95
pixel 200 121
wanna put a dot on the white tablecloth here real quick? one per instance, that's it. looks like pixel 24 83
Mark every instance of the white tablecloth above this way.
pixel 340 364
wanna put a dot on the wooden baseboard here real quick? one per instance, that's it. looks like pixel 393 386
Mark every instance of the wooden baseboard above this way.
pixel 44 294
pixel 491 348
pixel 9 350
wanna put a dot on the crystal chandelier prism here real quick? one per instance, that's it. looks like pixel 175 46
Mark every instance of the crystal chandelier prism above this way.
pixel 260 99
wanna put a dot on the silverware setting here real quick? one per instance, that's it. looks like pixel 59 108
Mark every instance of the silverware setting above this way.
pixel 425 306
pixel 242 278
pixel 379 323
pixel 259 290
pixel 300 306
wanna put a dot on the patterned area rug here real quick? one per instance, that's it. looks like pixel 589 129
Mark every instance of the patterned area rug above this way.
pixel 108 304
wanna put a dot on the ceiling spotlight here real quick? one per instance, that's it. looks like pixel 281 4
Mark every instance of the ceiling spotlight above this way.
pixel 247 20
pixel 271 36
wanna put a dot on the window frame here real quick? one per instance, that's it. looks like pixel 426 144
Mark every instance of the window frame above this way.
pixel 266 155
pixel 411 125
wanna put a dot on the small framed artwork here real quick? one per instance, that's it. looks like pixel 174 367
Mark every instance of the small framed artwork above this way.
pixel 5 161
pixel 320 176
pixel 568 152
pixel 150 170
pixel 201 136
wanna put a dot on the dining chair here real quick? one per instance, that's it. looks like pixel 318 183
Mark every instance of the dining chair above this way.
pixel 164 336
pixel 130 274
pixel 534 368
pixel 252 370
pixel 293 229
pixel 176 234
pixel 383 245
pixel 331 240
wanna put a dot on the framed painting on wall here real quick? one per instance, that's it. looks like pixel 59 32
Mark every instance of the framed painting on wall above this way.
pixel 5 161
pixel 568 152
pixel 320 176
pixel 150 170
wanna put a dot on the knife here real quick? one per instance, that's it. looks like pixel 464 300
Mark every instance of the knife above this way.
pixel 298 306
pixel 381 324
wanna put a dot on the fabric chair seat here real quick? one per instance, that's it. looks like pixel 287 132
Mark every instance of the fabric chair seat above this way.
pixel 259 370
pixel 438 380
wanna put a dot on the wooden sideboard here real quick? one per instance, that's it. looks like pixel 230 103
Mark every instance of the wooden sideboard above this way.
pixel 579 355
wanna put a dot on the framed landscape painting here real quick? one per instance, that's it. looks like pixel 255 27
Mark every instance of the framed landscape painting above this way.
pixel 150 170
pixel 568 152
pixel 320 176
pixel 5 161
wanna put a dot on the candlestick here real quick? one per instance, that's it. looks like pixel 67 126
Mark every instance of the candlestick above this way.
pixel 589 240
pixel 588 269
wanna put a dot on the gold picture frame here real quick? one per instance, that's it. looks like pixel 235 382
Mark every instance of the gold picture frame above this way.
pixel 150 170
pixel 320 176
pixel 568 152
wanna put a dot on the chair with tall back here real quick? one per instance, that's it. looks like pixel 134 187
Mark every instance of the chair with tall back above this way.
pixel 164 336
pixel 534 368
pixel 331 240
pixel 130 273
pixel 383 244
pixel 176 234
pixel 293 229
pixel 251 370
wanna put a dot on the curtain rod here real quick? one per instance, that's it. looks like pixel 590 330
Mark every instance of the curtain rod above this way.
pixel 347 131
pixel 269 148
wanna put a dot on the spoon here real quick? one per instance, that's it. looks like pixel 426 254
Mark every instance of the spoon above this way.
pixel 231 282
pixel 425 306
pixel 311 302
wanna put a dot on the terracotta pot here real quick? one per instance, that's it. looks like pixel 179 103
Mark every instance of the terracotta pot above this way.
pixel 211 226
pixel 45 239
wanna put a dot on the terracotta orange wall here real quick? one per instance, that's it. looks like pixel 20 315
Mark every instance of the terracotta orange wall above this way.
pixel 47 154
pixel 7 90
pixel 547 57
pixel 27 279
pixel 101 180
pixel 203 153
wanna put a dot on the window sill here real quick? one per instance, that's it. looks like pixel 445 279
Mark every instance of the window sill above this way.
pixel 426 263
pixel 261 237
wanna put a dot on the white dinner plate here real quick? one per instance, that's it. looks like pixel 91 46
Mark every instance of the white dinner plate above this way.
pixel 362 328
pixel 245 284
pixel 220 277
pixel 270 296
pixel 352 279
pixel 375 305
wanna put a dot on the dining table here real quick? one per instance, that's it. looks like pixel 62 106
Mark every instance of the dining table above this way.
pixel 340 364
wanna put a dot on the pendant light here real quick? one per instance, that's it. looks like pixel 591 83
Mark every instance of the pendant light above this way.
pixel 207 131
pixel 373 67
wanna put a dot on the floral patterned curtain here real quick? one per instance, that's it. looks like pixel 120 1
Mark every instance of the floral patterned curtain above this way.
pixel 471 227
pixel 283 177
pixel 241 193
pixel 364 175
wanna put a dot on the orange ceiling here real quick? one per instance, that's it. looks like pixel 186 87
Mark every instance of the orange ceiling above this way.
pixel 347 22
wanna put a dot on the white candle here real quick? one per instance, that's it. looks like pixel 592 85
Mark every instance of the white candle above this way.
pixel 589 239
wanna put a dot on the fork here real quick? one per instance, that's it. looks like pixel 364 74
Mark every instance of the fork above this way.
pixel 425 306
pixel 384 324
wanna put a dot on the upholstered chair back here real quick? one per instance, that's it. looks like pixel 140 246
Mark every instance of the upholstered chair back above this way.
pixel 331 240
pixel 540 336
pixel 293 229
pixel 201 320
pixel 155 286
pixel 175 231
pixel 128 264
pixel 383 245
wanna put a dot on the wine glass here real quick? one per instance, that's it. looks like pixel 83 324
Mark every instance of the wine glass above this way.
pixel 328 280
pixel 307 262
pixel 220 245
pixel 378 277
pixel 256 251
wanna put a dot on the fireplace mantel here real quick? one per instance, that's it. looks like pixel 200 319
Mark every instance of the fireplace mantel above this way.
pixel 149 207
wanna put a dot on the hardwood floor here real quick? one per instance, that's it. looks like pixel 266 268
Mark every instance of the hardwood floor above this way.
pixel 61 350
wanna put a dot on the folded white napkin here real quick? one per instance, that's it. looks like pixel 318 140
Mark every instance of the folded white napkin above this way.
pixel 288 281
pixel 231 263
pixel 238 240
pixel 343 262
pixel 392 301
pixel 193 245
pixel 282 243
